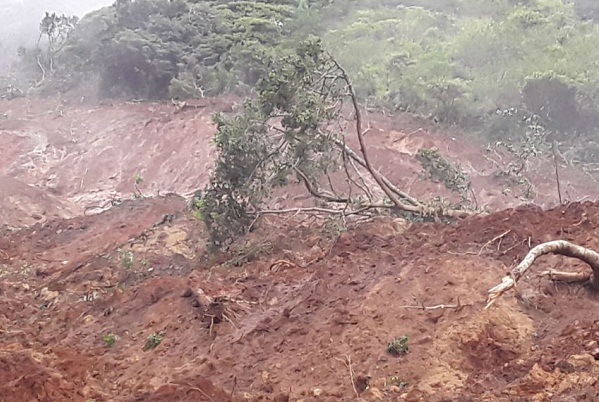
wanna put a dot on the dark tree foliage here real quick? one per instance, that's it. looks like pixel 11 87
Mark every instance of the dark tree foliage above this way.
pixel 458 62
pixel 561 108
pixel 180 48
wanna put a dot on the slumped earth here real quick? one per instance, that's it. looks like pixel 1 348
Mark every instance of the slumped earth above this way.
pixel 103 302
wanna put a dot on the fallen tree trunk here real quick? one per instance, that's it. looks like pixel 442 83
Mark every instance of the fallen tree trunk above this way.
pixel 561 247
pixel 352 154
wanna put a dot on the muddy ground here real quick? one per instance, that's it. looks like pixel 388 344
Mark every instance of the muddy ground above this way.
pixel 120 303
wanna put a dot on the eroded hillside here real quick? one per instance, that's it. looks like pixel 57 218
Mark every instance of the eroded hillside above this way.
pixel 82 298
pixel 120 303
pixel 65 157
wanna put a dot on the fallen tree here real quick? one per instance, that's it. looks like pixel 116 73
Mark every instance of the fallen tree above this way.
pixel 561 247
pixel 293 131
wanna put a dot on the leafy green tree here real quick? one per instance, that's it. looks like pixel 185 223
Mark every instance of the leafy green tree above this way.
pixel 280 134
pixel 289 133
pixel 160 48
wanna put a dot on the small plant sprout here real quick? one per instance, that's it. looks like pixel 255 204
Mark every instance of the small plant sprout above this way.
pixel 109 339
pixel 153 340
pixel 127 258
pixel 395 381
pixel 138 180
pixel 398 346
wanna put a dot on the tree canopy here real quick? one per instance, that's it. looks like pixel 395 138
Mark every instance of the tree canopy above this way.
pixel 485 66
pixel 457 61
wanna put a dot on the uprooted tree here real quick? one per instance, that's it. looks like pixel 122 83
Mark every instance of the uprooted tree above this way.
pixel 560 247
pixel 293 130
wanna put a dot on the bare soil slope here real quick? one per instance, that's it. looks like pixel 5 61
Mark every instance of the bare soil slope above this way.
pixel 86 155
pixel 63 157
pixel 272 329
pixel 121 305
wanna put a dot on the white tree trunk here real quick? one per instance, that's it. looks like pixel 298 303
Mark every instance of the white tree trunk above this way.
pixel 561 247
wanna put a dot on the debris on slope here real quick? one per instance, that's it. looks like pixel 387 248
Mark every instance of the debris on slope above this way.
pixel 108 298
pixel 271 332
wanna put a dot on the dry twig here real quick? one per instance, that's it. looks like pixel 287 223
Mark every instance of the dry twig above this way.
pixel 352 375
pixel 555 150
pixel 499 237
pixel 457 306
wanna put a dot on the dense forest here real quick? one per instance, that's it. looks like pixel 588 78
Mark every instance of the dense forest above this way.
pixel 486 66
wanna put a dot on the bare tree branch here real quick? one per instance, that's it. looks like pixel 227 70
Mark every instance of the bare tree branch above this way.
pixel 561 247
pixel 352 154
pixel 314 192
pixel 360 132
pixel 559 190
pixel 331 211
pixel 362 186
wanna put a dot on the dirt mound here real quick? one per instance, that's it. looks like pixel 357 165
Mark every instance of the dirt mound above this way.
pixel 119 306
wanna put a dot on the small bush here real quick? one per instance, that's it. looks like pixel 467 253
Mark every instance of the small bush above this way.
pixel 441 170
pixel 153 340
pixel 398 346
pixel 109 339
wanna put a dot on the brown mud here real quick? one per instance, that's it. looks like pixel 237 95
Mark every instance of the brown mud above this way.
pixel 121 305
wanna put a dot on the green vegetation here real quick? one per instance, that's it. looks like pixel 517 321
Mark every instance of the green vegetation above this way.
pixel 463 68
pixel 289 132
pixel 174 48
pixel 109 339
pixel 153 340
pixel 127 258
pixel 459 62
pixel 395 381
pixel 137 181
pixel 398 346
pixel 440 170
pixel 281 136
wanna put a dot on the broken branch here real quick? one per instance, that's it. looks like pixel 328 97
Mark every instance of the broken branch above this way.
pixel 561 247
pixel 569 277
pixel 315 193
pixel 353 155
pixel 360 132
pixel 493 240
pixel 321 210
pixel 437 307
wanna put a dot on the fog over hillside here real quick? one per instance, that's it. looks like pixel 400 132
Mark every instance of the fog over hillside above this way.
pixel 20 19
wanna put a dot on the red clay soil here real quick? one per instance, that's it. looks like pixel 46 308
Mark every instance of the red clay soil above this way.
pixel 64 157
pixel 121 304
pixel 86 155
pixel 268 331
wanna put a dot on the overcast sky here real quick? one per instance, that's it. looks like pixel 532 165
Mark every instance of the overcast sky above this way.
pixel 20 19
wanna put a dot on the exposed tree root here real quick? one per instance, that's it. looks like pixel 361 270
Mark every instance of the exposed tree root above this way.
pixel 566 276
pixel 561 247
pixel 457 307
